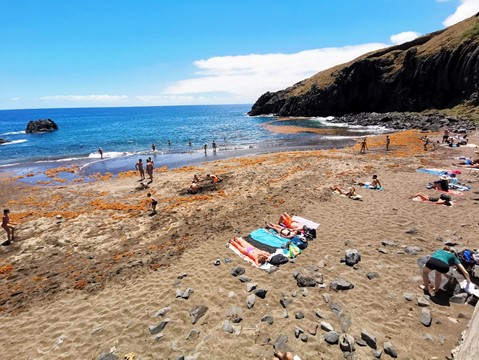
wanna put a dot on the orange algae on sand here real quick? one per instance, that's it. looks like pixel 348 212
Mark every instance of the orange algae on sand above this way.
pixel 6 269
pixel 103 205
pixel 55 171
pixel 127 174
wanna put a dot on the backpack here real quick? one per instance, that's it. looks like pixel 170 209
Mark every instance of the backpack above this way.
pixel 466 258
pixel 445 197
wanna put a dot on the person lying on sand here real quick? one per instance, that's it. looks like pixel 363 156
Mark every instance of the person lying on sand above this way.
pixel 283 231
pixel 285 356
pixel 8 226
pixel 214 178
pixel 288 222
pixel 374 184
pixel 258 256
pixel 468 163
pixel 351 191
pixel 444 200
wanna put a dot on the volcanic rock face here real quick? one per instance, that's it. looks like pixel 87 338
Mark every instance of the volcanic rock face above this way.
pixel 42 125
pixel 3 141
pixel 436 71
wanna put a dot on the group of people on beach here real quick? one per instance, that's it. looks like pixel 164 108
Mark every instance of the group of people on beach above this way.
pixel 149 169
pixel 364 144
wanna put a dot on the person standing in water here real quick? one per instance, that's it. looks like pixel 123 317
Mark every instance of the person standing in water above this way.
pixel 153 147
pixel 100 151
pixel 205 146
pixel 214 146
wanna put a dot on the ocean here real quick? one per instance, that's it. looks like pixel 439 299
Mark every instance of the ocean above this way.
pixel 126 134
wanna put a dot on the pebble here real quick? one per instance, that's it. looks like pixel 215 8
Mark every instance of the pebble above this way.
pixel 304 337
pixel 326 326
pixel 346 343
pixel 408 296
pixel 326 298
pixel 313 328
pixel 155 329
pixel 285 302
pixel 217 262
pixel 413 250
pixel 389 243
pixel 321 315
pixel 390 349
pixel 369 338
pixel 412 231
pixel 298 331
pixel 422 302
pixel 299 315
pixel 184 294
pixel 261 293
pixel 372 275
pixel 235 314
pixel 198 312
pixel 162 311
pixel 352 257
pixel 377 353
pixel 107 356
pixel 268 319
pixel 250 301
pixel 331 337
pixel 244 279
pixel 341 284
pixel 426 317
pixel 193 334
pixel 251 286
pixel 237 271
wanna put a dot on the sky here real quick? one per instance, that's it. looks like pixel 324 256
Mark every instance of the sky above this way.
pixel 96 53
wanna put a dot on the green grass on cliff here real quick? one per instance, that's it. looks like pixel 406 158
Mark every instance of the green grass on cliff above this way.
pixel 472 32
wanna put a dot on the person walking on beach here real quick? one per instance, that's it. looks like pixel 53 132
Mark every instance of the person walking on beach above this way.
pixel 205 146
pixel 154 202
pixel 9 227
pixel 214 146
pixel 149 169
pixel 139 167
pixel 426 141
pixel 363 146
pixel 153 147
pixel 100 151
pixel 445 137
pixel 388 142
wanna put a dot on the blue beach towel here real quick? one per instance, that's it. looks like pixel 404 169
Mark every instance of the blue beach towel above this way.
pixel 265 237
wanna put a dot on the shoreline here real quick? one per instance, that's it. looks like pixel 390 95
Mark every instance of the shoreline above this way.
pixel 91 250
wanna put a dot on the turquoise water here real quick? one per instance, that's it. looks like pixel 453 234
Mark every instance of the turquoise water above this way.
pixel 126 134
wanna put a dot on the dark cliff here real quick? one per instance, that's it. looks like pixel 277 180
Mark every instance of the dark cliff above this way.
pixel 435 71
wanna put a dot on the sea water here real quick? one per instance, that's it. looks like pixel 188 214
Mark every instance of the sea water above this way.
pixel 127 133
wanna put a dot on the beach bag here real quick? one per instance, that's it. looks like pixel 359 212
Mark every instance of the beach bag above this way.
pixel 278 259
pixel 466 258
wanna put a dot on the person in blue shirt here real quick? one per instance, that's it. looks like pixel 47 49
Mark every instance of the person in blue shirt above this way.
pixel 440 261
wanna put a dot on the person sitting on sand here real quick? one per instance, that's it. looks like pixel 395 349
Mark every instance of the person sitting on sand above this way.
pixel 440 261
pixel 351 191
pixel 374 184
pixel 154 202
pixel 194 188
pixel 442 200
pixel 214 178
pixel 197 178
pixel 8 226
pixel 442 184
pixel 258 256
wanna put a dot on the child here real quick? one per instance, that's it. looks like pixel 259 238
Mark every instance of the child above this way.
pixel 154 202
pixel 8 226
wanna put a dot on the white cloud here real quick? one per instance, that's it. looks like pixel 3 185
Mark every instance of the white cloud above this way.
pixel 466 9
pixel 80 98
pixel 404 37
pixel 246 77
pixel 16 99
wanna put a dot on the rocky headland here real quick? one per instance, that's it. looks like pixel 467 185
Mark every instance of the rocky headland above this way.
pixel 438 71
pixel 40 126
pixel 3 141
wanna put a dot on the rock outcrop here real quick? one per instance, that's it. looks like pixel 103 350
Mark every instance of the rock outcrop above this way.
pixel 41 125
pixel 3 141
pixel 435 71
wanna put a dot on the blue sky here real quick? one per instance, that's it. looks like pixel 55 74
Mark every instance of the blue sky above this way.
pixel 57 53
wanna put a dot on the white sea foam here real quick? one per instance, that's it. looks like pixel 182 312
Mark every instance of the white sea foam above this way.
pixel 6 165
pixel 14 133
pixel 13 142
pixel 109 155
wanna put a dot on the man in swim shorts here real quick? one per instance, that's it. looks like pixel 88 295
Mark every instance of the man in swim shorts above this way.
pixel 154 202
pixel 8 226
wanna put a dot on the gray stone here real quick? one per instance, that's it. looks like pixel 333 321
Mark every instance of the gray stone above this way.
pixel 237 271
pixel 422 261
pixel 427 336
pixel 298 331
pixel 341 284
pixel 382 251
pixel 299 315
pixel 426 317
pixel 305 292
pixel 336 308
pixel 244 279
pixel 193 334
pixel 251 286
pixel 461 315
pixel 304 338
pixel 377 353
pixel 390 349
pixel 372 275
pixel 181 357
pixel 408 296
pixel 261 293
pixel 326 298
pixel 346 343
pixel 235 314
pixel 412 231
pixel 184 294
pixel 352 257
pixel 250 301
pixel 272 269
pixel 281 344
pixel 159 336
pixel 285 302
pixel 360 342
pixel 369 338
pixel 268 319
pixel 107 356
pixel 228 327
pixel 321 315
pixel 182 276
pixel 162 311
pixel 285 314
pixel 228 260
pixel 308 276
pixel 422 302
pixel 326 326
pixel 459 298
pixel 413 250
pixel 197 313
pixel 345 321
pixel 331 337
pixel 217 262
pixel 155 329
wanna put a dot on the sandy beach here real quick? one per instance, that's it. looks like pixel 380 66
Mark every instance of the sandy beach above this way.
pixel 90 269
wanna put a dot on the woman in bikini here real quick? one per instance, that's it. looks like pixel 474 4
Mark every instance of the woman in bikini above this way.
pixel 288 222
pixel 351 191
pixel 258 256
pixel 283 231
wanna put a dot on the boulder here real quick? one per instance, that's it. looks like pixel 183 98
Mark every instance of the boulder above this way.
pixel 40 126
pixel 3 141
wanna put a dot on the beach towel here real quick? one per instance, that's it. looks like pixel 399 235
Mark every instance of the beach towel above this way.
pixel 469 288
pixel 269 238
pixel 417 198
pixel 259 245
pixel 439 172
pixel 367 186
pixel 308 223
pixel 451 192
